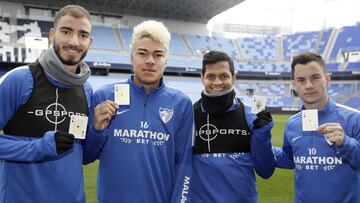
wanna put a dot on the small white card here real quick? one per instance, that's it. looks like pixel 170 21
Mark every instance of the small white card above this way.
pixel 310 120
pixel 258 104
pixel 78 125
pixel 122 94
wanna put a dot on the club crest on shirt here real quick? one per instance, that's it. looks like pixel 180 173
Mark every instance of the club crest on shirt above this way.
pixel 166 114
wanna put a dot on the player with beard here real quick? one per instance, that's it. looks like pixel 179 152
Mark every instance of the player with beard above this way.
pixel 144 146
pixel 40 161
pixel 231 142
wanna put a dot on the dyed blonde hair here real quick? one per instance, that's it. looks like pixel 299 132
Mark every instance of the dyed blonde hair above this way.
pixel 152 29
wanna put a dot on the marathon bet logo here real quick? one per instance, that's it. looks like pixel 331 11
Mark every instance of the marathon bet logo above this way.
pixel 314 162
pixel 141 136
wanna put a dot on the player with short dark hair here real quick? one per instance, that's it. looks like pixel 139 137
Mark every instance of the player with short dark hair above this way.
pixel 40 160
pixel 231 142
pixel 326 159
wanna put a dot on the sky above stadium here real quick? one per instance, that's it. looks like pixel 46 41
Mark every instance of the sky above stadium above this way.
pixel 298 15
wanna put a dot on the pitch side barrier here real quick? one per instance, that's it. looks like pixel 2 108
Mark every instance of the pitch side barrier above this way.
pixel 283 110
pixel 103 68
pixel 340 75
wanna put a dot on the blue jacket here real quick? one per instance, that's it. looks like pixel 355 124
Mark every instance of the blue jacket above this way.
pixel 323 172
pixel 230 177
pixel 31 171
pixel 145 153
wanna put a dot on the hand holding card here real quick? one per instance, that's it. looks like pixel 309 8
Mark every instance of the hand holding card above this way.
pixel 122 94
pixel 78 126
pixel 258 104
pixel 310 120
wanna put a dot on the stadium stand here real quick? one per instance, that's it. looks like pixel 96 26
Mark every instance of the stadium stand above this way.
pixel 347 38
pixel 263 67
pixel 259 55
pixel 200 44
pixel 25 26
pixel 104 38
pixel 177 47
pixel 126 37
pixel 259 48
pixel 325 36
pixel 4 30
pixel 36 28
pixel 332 67
pixel 300 42
pixel 108 58
pixel 355 66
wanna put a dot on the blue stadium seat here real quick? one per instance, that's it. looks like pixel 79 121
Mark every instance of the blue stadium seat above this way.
pixel 108 58
pixel 324 40
pixel 259 48
pixel 332 67
pixel 126 37
pixel 299 42
pixel 177 47
pixel 262 67
pixel 354 66
pixel 104 38
pixel 348 38
pixel 201 44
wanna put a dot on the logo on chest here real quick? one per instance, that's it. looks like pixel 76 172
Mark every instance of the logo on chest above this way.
pixel 55 113
pixel 166 114
pixel 209 132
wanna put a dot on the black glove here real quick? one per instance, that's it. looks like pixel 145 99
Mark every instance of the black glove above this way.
pixel 263 118
pixel 64 141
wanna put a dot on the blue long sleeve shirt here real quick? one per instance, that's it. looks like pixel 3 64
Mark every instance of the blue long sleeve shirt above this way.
pixel 323 172
pixel 230 177
pixel 145 152
pixel 31 171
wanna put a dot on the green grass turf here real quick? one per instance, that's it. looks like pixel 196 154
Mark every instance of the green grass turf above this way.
pixel 278 189
pixel 90 172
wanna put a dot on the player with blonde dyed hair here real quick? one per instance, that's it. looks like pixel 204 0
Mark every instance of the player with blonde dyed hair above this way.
pixel 151 29
pixel 145 151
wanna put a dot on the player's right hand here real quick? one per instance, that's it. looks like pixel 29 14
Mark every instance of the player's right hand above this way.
pixel 333 132
pixel 263 119
pixel 64 141
pixel 103 113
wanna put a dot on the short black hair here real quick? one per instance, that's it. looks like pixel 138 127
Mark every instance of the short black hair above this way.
pixel 306 57
pixel 212 57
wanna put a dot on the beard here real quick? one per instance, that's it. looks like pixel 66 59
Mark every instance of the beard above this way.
pixel 70 61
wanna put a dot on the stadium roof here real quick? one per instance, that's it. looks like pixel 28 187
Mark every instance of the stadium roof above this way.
pixel 186 10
